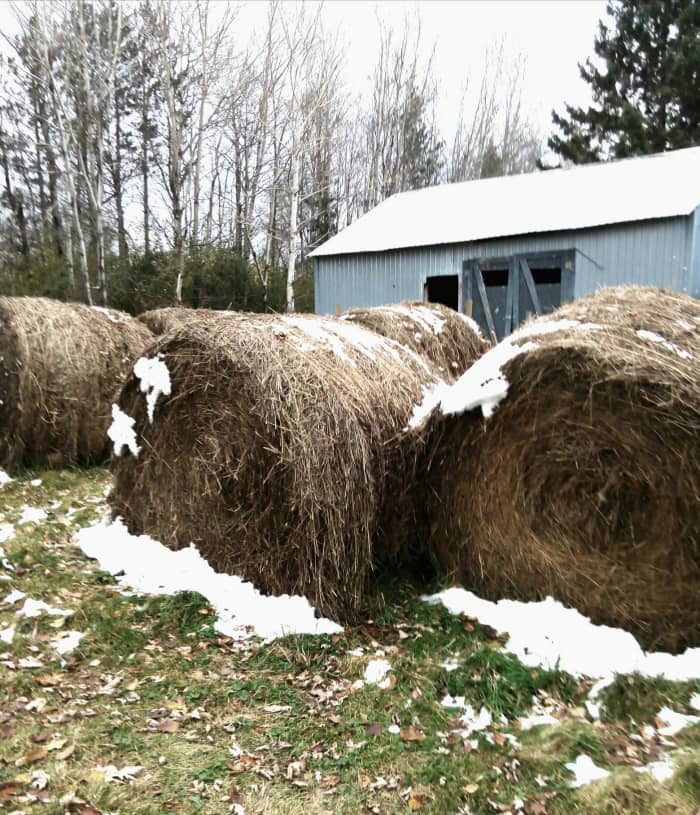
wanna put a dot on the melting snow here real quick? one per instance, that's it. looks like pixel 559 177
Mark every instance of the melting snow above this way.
pixel 122 432
pixel 428 319
pixel 155 380
pixel 33 608
pixel 376 673
pixel 7 635
pixel 13 597
pixel 31 515
pixel 470 719
pixel 475 327
pixel 659 770
pixel 547 633
pixel 4 477
pixel 68 642
pixel 110 315
pixel 673 722
pixel 150 568
pixel 537 720
pixel 651 336
pixel 585 771
pixel 685 325
pixel 484 384
pixel 695 701
pixel 6 532
pixel 36 482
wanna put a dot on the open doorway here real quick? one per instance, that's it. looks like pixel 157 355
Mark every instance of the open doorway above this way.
pixel 443 289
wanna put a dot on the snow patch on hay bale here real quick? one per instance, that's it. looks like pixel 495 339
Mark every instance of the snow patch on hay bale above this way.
pixel 450 340
pixel 278 453
pixel 567 463
pixel 61 365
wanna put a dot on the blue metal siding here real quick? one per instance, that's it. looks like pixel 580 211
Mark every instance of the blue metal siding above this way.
pixel 659 253
pixel 695 254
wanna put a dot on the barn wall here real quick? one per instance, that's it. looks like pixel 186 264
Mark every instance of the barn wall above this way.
pixel 647 253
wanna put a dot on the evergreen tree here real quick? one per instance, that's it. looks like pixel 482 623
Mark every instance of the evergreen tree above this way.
pixel 647 94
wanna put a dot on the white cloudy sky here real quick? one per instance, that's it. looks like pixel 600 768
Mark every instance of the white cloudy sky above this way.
pixel 553 35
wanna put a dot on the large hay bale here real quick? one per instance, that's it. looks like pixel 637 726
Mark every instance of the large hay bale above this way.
pixel 162 320
pixel 279 452
pixel 449 339
pixel 61 365
pixel 584 480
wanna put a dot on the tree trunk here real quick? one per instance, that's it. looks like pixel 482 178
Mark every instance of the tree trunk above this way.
pixel 293 219
pixel 118 184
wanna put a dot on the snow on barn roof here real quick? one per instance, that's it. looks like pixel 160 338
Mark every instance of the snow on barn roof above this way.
pixel 659 186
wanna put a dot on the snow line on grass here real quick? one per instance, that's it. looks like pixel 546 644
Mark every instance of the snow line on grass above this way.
pixel 242 611
pixel 548 634
pixel 4 478
pixel 32 515
pixel 585 771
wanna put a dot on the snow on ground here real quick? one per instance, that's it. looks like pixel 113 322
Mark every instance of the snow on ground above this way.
pixel 660 771
pixel 7 635
pixel 4 477
pixel 68 642
pixel 121 432
pixel 673 722
pixel 154 379
pixel 585 771
pixel 652 336
pixel 471 721
pixel 242 611
pixel 377 673
pixel 7 531
pixel 548 634
pixel 33 608
pixel 31 515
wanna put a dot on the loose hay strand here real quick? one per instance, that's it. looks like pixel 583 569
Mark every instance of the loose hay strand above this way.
pixel 60 366
pixel 585 482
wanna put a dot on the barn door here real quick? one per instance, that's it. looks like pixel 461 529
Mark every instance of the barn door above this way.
pixel 499 293
pixel 486 289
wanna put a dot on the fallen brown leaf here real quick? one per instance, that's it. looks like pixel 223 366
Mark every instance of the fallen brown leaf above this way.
pixel 49 680
pixel 67 752
pixel 374 729
pixel 34 755
pixel 470 789
pixel 8 789
pixel 168 726
pixel 414 802
pixel 411 734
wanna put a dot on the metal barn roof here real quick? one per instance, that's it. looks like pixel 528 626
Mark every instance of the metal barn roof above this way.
pixel 659 186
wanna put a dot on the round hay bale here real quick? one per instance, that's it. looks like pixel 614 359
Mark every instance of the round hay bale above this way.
pixel 584 482
pixel 61 365
pixel 162 320
pixel 450 340
pixel 278 452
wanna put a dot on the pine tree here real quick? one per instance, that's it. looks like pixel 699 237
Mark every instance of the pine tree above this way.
pixel 647 93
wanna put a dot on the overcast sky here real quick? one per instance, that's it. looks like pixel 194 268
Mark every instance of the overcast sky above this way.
pixel 553 35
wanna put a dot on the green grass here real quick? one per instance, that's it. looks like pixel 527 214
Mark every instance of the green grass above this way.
pixel 280 727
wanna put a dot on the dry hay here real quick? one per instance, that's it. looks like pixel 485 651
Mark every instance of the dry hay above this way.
pixel 61 365
pixel 162 320
pixel 450 340
pixel 279 453
pixel 584 483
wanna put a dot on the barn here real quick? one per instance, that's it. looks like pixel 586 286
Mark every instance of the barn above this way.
pixel 501 248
